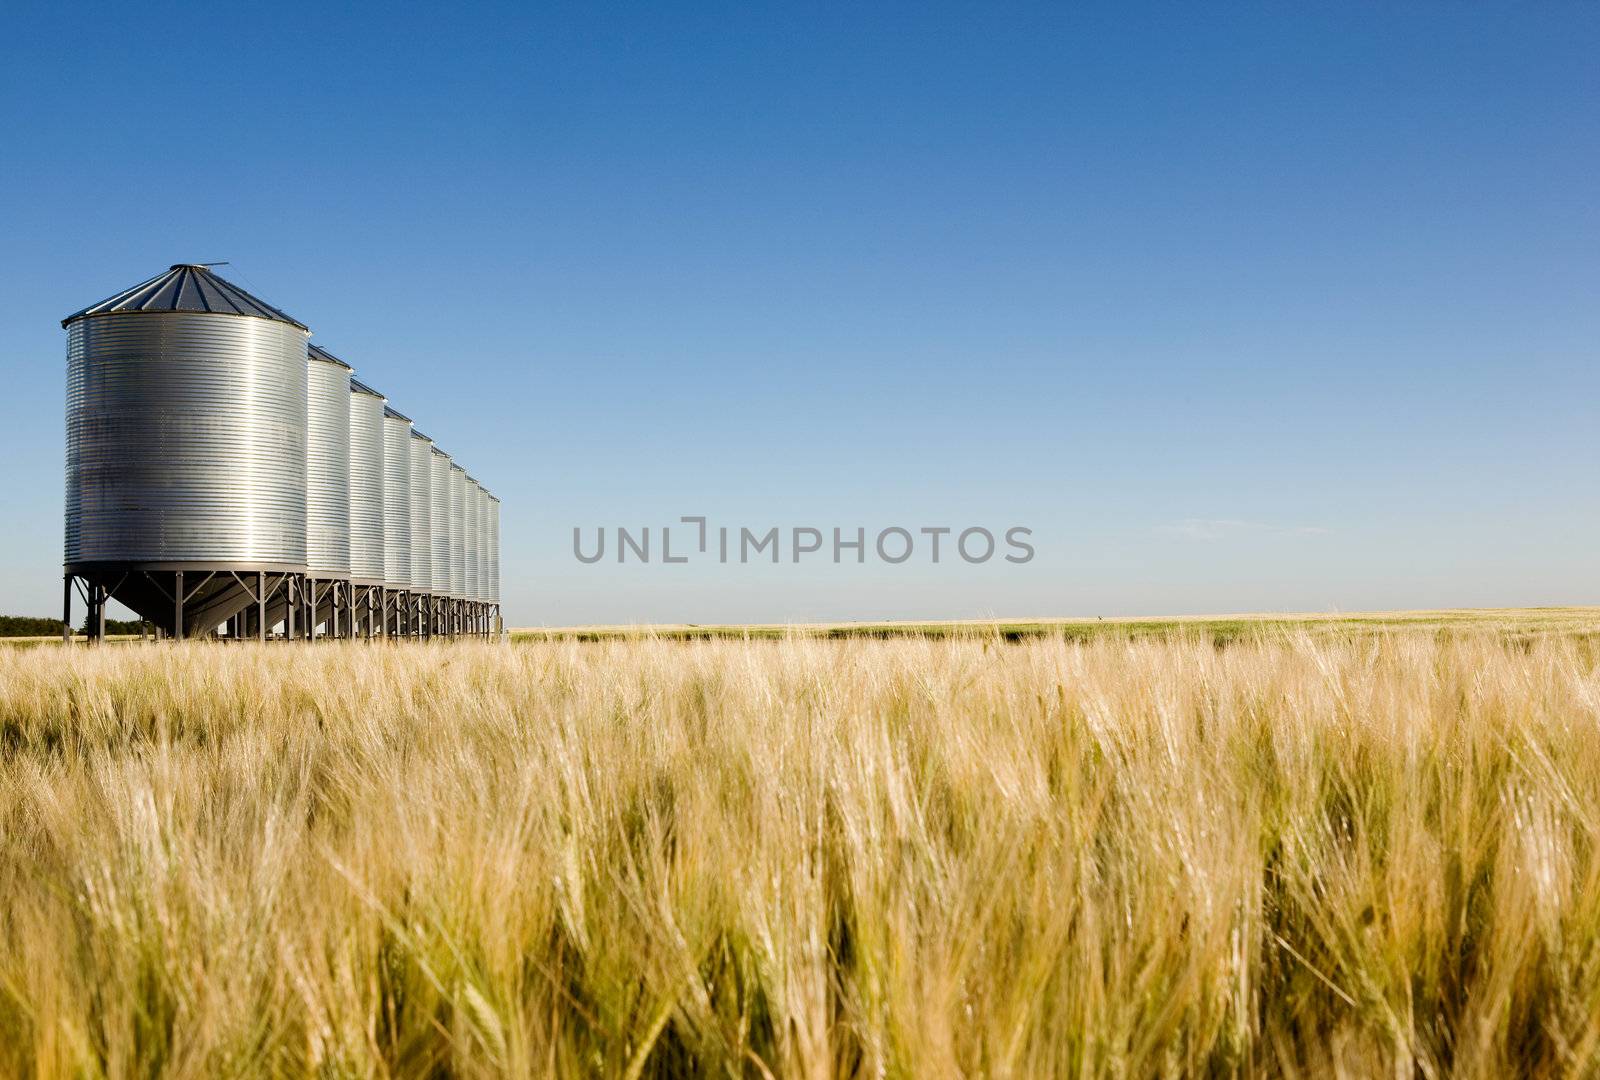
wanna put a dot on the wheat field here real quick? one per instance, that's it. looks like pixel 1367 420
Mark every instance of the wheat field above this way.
pixel 1289 854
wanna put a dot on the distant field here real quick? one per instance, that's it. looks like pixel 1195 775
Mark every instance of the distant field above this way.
pixel 1562 620
pixel 1583 621
pixel 1353 845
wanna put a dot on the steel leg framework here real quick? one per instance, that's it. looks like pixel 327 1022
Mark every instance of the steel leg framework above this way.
pixel 261 603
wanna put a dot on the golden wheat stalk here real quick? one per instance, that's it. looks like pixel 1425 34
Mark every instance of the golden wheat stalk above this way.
pixel 1293 854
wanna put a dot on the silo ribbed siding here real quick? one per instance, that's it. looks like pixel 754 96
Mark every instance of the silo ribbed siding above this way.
pixel 458 531
pixel 441 522
pixel 421 453
pixel 327 466
pixel 396 500
pixel 494 549
pixel 471 526
pixel 482 498
pixel 366 484
pixel 186 438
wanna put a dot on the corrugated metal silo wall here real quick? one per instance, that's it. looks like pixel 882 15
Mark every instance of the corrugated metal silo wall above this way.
pixel 328 469
pixel 458 531
pixel 494 549
pixel 186 439
pixel 485 592
pixel 396 502
pixel 441 523
pixel 366 486
pixel 469 516
pixel 421 453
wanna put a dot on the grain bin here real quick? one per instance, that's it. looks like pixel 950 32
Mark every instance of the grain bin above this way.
pixel 186 449
pixel 458 531
pixel 494 550
pixel 366 483
pixel 421 452
pixel 396 500
pixel 472 524
pixel 482 496
pixel 327 465
pixel 441 523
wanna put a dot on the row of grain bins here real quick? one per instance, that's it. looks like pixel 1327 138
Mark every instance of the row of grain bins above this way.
pixel 226 478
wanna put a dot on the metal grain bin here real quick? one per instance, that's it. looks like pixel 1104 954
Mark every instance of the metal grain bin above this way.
pixel 441 523
pixel 472 516
pixel 482 495
pixel 366 483
pixel 327 465
pixel 494 550
pixel 396 499
pixel 186 427
pixel 458 531
pixel 421 452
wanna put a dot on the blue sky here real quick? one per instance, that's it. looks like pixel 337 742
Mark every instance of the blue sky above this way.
pixel 1238 307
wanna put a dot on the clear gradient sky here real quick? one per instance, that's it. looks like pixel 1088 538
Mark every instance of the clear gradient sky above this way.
pixel 1238 307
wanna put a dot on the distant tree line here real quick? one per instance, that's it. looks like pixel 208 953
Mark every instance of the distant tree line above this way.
pixel 113 626
pixel 27 626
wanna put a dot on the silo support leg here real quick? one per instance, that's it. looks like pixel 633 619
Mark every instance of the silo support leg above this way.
pixel 177 608
pixel 66 609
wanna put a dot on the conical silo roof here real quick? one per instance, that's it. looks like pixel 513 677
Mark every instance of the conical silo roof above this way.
pixel 186 287
pixel 319 353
